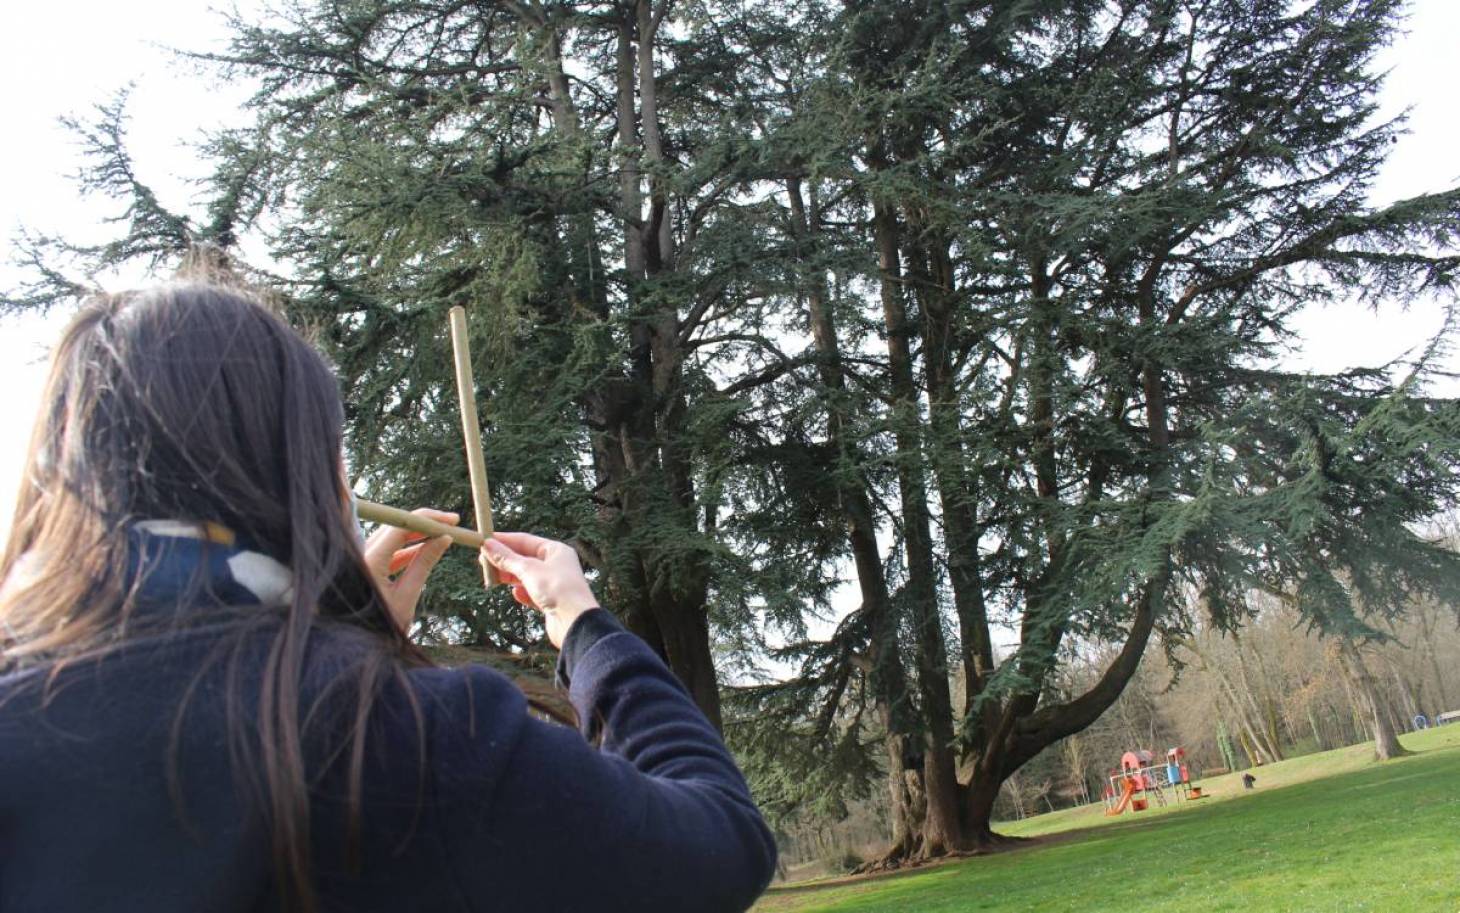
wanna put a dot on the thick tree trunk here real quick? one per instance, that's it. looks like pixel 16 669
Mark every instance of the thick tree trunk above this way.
pixel 956 495
pixel 1023 731
pixel 1357 708
pixel 977 809
pixel 1020 737
pixel 636 419
pixel 667 612
pixel 941 831
pixel 1046 615
pixel 686 638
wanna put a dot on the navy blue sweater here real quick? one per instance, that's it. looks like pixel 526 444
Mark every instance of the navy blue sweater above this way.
pixel 506 812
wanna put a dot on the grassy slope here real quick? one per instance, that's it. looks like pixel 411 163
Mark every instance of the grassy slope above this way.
pixel 1328 832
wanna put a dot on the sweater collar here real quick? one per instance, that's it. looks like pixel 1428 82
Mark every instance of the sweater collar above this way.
pixel 173 562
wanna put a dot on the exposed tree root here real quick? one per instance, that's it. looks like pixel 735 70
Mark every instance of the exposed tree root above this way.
pixel 910 854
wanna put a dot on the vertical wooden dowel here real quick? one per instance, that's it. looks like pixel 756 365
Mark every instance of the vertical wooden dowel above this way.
pixel 471 432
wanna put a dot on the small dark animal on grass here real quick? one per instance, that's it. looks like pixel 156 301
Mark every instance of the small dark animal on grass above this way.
pixel 1248 780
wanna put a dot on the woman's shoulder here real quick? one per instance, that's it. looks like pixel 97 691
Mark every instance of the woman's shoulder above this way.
pixel 469 715
pixel 465 691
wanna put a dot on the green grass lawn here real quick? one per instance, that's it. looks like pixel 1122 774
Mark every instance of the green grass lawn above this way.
pixel 1328 832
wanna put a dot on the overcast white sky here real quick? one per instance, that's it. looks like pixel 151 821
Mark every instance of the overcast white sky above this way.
pixel 62 56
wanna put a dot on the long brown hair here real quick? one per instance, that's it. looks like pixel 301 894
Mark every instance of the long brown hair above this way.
pixel 195 402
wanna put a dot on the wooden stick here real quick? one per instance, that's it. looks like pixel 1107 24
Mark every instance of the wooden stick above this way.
pixel 394 516
pixel 471 432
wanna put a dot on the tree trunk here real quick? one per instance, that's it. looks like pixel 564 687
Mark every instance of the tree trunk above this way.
pixel 1357 708
pixel 1243 739
pixel 1024 728
pixel 978 811
pixel 1318 741
pixel 941 832
pixel 637 418
pixel 1427 633
pixel 1264 726
pixel 1224 745
pixel 887 678
pixel 1409 704
pixel 956 494
pixel 1386 741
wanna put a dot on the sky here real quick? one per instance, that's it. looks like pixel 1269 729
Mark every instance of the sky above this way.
pixel 61 57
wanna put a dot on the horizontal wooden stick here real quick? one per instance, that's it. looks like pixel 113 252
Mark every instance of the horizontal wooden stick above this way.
pixel 394 516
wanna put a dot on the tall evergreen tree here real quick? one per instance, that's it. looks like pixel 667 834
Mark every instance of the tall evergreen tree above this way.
pixel 556 168
pixel 1097 220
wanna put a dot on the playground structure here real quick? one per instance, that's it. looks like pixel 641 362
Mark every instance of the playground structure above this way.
pixel 1140 780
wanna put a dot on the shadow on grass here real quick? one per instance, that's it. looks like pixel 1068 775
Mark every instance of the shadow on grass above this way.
pixel 1015 844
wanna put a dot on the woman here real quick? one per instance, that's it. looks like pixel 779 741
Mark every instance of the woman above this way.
pixel 209 701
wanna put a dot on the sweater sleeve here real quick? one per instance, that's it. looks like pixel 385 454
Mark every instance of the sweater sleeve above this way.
pixel 658 818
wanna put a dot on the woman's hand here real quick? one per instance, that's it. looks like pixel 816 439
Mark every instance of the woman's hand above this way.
pixel 545 575
pixel 388 552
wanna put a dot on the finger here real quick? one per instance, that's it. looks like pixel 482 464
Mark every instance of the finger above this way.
pixel 449 517
pixel 519 593
pixel 411 535
pixel 403 557
pixel 504 558
pixel 525 543
pixel 413 578
pixel 374 536
pixel 382 545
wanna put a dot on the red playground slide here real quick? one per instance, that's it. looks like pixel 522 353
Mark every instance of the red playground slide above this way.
pixel 1125 797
